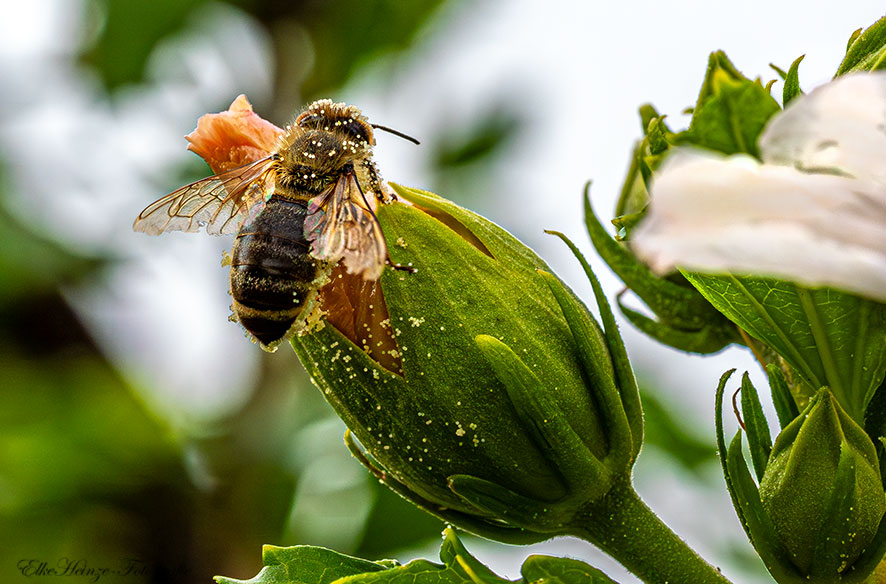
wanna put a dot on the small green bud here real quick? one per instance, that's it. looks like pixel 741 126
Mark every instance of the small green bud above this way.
pixel 507 413
pixel 822 490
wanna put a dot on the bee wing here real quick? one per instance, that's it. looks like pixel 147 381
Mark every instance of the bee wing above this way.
pixel 220 202
pixel 341 226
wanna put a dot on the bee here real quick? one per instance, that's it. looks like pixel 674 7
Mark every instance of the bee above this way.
pixel 296 213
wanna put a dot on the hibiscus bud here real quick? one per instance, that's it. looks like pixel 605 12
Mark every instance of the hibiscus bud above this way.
pixel 822 491
pixel 510 409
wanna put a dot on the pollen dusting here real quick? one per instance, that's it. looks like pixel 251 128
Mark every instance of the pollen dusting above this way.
pixel 416 321
pixel 401 242
pixel 356 308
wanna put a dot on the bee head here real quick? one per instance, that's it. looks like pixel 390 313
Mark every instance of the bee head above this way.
pixel 327 115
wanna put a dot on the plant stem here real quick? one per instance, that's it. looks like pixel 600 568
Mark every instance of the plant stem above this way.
pixel 623 526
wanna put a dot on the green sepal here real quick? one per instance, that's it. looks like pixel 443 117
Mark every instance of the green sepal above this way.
pixel 866 51
pixel 756 521
pixel 875 426
pixel 731 110
pixel 843 500
pixel 853 37
pixel 658 136
pixel 647 155
pixel 544 421
pixel 506 505
pixel 591 344
pixel 705 341
pixel 746 499
pixel 626 382
pixel 759 438
pixel 552 570
pixel 792 83
pixel 634 196
pixel 718 63
pixel 781 72
pixel 685 318
pixel 828 337
pixel 490 529
pixel 304 564
pixel 868 561
pixel 785 407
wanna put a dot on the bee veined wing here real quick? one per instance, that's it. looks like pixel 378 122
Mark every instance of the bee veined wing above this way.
pixel 341 226
pixel 220 202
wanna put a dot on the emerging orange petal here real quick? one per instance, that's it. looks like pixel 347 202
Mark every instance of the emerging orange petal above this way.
pixel 234 137
pixel 356 307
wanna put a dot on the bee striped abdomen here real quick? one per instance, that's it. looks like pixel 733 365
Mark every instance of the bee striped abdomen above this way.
pixel 272 273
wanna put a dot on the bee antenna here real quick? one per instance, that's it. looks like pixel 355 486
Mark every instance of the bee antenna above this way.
pixel 396 133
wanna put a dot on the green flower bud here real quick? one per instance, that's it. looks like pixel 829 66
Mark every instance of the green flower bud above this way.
pixel 510 408
pixel 822 490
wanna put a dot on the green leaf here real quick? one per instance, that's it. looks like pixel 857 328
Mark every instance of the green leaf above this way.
pixel 866 51
pixel 828 337
pixel 792 82
pixel 552 570
pixel 759 439
pixel 305 565
pixel 731 111
pixel 313 565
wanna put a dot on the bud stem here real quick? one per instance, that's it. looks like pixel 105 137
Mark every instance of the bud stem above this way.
pixel 623 526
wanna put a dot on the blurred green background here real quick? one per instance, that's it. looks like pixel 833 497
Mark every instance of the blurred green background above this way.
pixel 91 475
pixel 139 431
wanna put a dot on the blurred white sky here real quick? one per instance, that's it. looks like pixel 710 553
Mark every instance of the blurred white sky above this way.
pixel 84 167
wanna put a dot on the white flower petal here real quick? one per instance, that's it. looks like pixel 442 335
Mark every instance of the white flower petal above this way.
pixel 813 213
pixel 840 127
pixel 716 215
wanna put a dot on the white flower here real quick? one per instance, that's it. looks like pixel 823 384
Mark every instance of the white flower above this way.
pixel 813 212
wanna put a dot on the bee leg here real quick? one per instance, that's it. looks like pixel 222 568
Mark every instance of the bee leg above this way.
pixel 401 267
